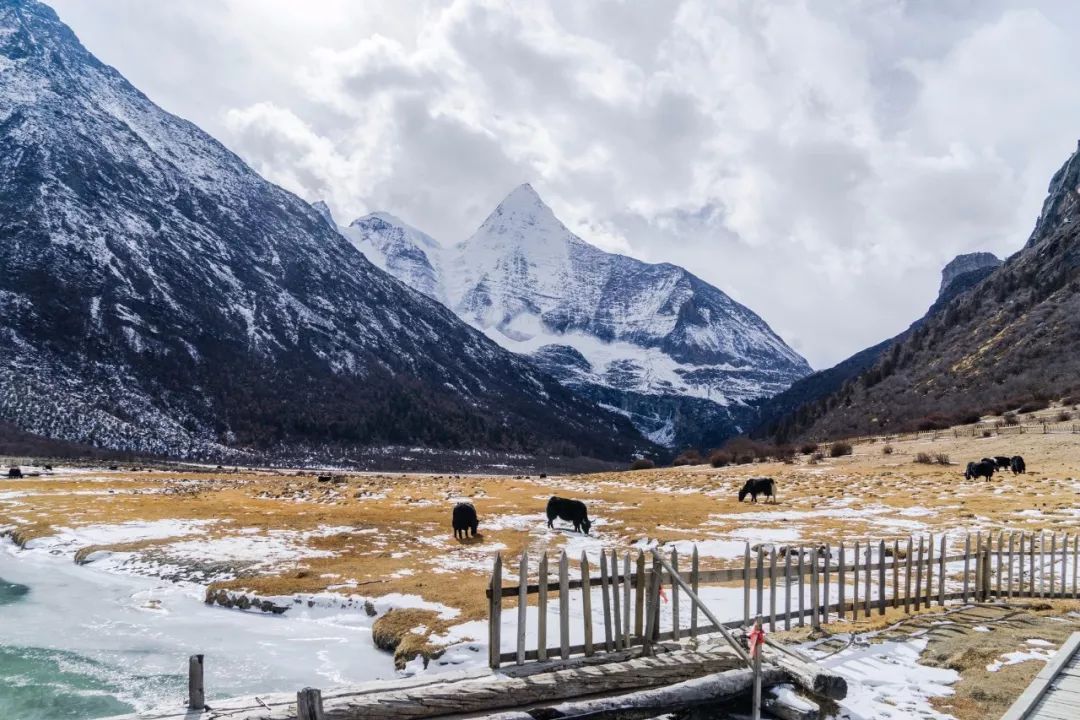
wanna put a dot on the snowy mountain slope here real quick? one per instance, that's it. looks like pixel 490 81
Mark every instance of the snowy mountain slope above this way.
pixel 160 296
pixel 617 330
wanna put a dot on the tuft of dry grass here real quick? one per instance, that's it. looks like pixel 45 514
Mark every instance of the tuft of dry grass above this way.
pixel 406 633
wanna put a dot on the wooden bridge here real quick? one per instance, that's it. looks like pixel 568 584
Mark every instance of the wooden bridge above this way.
pixel 1054 694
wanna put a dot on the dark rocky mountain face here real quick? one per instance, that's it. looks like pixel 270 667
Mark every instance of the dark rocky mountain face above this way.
pixel 158 295
pixel 783 416
pixel 1001 340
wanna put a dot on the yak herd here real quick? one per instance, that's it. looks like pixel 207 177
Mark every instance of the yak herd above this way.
pixel 987 466
pixel 465 520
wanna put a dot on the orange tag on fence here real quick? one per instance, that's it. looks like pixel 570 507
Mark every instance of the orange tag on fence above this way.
pixel 663 593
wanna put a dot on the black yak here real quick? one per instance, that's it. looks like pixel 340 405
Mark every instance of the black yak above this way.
pixel 983 468
pixel 570 510
pixel 465 520
pixel 758 486
pixel 1002 462
pixel 1017 465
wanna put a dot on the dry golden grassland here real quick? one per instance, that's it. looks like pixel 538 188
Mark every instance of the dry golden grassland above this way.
pixel 392 533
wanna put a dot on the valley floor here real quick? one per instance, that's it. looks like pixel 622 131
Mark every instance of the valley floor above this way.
pixel 326 549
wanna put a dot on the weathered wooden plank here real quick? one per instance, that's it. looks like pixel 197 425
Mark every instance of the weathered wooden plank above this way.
pixel 627 638
pixel 616 611
pixel 815 612
pixel 695 580
pixel 841 581
pixel 855 586
pixel 941 574
pixel 881 577
pixel 896 572
pixel 675 618
pixel 867 575
pixel 1009 576
pixel 918 576
pixel 639 589
pixel 929 570
pixel 542 608
pixel 759 577
pixel 907 576
pixel 787 591
pixel 605 594
pixel 196 684
pixel 1076 566
pixel 802 591
pixel 309 704
pixel 586 604
pixel 999 573
pixel 1042 685
pixel 772 588
pixel 967 563
pixel 495 613
pixel 1053 560
pixel 523 604
pixel 1020 567
pixel 825 585
pixel 746 586
pixel 564 606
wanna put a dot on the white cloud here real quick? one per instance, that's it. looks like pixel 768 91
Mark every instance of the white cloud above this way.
pixel 818 161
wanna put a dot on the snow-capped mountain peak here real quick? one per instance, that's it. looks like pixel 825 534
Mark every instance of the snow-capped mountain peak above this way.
pixel 622 332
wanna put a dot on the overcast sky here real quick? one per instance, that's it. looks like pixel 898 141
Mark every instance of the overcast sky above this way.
pixel 818 161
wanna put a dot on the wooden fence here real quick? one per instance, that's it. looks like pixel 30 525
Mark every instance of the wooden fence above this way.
pixel 997 427
pixel 782 585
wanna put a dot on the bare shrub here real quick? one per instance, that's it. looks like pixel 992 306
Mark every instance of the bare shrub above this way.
pixel 1064 416
pixel 1033 405
pixel 719 458
pixel 809 448
pixel 887 450
pixel 642 464
pixel 988 433
pixel 839 449
pixel 817 457
pixel 942 459
pixel 688 457
pixel 924 458
pixel 1010 418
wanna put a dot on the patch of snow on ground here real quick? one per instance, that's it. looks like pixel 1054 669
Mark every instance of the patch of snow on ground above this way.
pixel 71 539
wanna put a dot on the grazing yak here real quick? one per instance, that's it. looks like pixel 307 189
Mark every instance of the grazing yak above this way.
pixel 465 520
pixel 1017 465
pixel 758 486
pixel 1002 462
pixel 984 468
pixel 569 510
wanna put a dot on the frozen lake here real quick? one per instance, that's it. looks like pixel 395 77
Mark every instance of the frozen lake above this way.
pixel 76 642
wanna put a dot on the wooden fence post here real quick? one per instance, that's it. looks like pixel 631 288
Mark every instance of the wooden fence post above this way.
pixel 941 573
pixel 841 582
pixel 675 619
pixel 896 572
pixel 1053 562
pixel 979 568
pixel 1000 549
pixel 815 616
pixel 605 594
pixel 495 614
pixel 1009 579
pixel 760 577
pixel 541 609
pixel 309 705
pixel 825 585
pixel 967 565
pixel 868 574
pixel 746 586
pixel 1064 564
pixel 196 685
pixel 616 611
pixel 802 597
pixel 881 577
pixel 772 588
pixel 787 590
pixel 907 575
pixel 650 613
pixel 639 589
pixel 1031 565
pixel 523 604
pixel 564 606
pixel 1020 567
pixel 695 578
pixel 1076 564
pixel 930 571
pixel 855 584
pixel 586 603
pixel 918 575
pixel 655 605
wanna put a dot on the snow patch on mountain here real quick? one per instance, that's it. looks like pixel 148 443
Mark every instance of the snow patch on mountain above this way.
pixel 591 318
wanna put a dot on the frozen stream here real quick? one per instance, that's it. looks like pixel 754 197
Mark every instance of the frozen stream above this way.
pixel 76 642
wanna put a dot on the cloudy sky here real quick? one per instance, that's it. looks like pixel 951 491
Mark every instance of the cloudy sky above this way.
pixel 819 161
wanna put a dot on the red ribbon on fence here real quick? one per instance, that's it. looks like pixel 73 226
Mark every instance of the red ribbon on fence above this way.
pixel 663 594
pixel 757 639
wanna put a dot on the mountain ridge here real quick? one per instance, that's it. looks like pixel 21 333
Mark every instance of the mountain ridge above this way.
pixel 636 330
pixel 162 297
